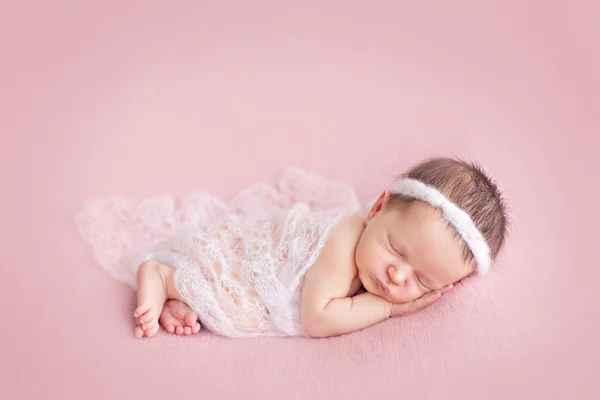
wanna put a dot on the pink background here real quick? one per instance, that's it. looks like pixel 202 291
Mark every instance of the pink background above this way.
pixel 138 98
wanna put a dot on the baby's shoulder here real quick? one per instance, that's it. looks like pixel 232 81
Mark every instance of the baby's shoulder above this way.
pixel 334 272
pixel 348 229
pixel 342 239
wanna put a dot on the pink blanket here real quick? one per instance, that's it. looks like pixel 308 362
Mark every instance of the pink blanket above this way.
pixel 142 99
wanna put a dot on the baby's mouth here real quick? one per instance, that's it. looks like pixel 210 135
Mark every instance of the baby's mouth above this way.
pixel 382 286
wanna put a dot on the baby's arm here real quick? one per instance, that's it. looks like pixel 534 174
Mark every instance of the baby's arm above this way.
pixel 326 308
pixel 348 314
pixel 329 306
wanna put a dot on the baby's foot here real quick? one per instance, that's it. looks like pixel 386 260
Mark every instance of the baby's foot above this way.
pixel 177 317
pixel 151 297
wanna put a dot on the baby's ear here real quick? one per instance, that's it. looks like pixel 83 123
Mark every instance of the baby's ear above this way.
pixel 379 204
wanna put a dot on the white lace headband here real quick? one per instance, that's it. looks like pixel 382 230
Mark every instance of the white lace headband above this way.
pixel 458 218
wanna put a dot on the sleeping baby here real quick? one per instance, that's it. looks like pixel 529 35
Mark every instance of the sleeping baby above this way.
pixel 302 260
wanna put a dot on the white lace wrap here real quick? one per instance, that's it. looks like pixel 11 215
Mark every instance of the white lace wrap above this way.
pixel 239 265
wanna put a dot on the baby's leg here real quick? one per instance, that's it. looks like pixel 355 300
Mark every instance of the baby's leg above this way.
pixel 155 286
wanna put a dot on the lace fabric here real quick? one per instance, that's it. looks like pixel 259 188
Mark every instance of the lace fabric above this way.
pixel 240 265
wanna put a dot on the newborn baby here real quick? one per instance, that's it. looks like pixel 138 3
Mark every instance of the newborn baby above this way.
pixel 316 270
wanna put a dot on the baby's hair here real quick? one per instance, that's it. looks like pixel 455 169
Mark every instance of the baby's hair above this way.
pixel 469 188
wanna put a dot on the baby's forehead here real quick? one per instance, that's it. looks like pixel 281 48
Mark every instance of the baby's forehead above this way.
pixel 425 229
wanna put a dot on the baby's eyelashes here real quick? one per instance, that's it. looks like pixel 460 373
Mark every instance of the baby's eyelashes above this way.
pixel 393 249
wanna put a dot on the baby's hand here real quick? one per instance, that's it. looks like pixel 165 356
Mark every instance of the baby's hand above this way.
pixel 420 303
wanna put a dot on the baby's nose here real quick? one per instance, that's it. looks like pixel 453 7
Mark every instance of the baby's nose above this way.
pixel 399 275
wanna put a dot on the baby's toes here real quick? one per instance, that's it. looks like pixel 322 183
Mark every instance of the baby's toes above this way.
pixel 187 330
pixel 151 332
pixel 141 310
pixel 150 325
pixel 179 330
pixel 138 333
pixel 196 328
pixel 190 319
pixel 150 316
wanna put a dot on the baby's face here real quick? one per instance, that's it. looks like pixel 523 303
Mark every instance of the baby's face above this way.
pixel 405 252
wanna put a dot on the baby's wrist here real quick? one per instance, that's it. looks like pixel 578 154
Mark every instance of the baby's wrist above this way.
pixel 385 308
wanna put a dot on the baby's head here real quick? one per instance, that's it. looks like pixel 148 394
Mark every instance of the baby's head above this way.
pixel 438 223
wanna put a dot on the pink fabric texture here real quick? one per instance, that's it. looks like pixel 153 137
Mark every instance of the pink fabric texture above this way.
pixel 141 99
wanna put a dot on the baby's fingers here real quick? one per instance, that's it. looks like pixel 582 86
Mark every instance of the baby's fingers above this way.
pixel 424 301
pixel 444 289
pixel 436 294
pixel 428 299
pixel 441 290
pixel 420 303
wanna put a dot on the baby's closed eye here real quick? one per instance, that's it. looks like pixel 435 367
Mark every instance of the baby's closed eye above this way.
pixel 420 282
pixel 393 248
